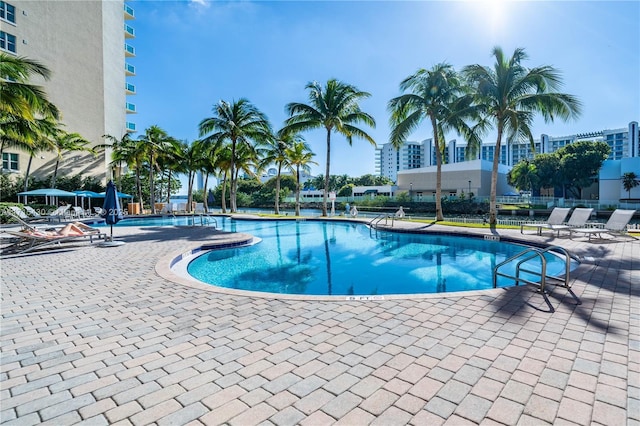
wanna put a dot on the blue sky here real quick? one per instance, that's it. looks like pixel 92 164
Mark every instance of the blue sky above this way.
pixel 191 54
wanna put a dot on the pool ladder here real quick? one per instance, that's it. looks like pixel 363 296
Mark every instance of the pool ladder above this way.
pixel 529 254
pixel 373 223
pixel 205 220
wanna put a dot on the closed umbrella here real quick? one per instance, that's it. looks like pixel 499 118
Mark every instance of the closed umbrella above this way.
pixel 111 211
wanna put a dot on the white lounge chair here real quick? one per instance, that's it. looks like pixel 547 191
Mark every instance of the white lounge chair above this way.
pixel 33 213
pixel 557 217
pixel 59 213
pixel 616 224
pixel 77 212
pixel 579 217
pixel 17 212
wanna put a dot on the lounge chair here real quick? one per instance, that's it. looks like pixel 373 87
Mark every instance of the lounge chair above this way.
pixel 557 217
pixel 59 213
pixel 32 238
pixel 34 215
pixel 616 224
pixel 579 218
pixel 17 212
pixel 77 212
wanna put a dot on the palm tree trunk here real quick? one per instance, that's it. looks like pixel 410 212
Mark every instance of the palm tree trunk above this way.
pixel 326 175
pixel 192 177
pixel 277 209
pixel 139 186
pixel 234 207
pixel 169 187
pixel 151 186
pixel 224 193
pixel 298 190
pixel 205 194
pixel 493 210
pixel 55 174
pixel 26 176
pixel 436 138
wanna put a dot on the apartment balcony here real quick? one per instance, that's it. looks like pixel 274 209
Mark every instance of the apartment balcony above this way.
pixel 129 32
pixel 129 51
pixel 129 69
pixel 128 12
pixel 130 108
pixel 131 127
pixel 130 88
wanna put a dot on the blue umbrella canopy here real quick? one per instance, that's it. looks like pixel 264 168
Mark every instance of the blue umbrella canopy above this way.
pixel 111 211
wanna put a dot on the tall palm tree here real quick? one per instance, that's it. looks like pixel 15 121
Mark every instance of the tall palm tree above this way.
pixel 510 95
pixel 64 141
pixel 276 152
pixel 154 142
pixel 240 123
pixel 437 95
pixel 118 148
pixel 334 107
pixel 299 156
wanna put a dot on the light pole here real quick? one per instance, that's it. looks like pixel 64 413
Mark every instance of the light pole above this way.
pixel 410 191
pixel 469 188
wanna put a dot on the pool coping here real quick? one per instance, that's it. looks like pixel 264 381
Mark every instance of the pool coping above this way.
pixel 166 265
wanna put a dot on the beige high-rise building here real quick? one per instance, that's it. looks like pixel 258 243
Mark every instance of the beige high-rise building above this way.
pixel 86 45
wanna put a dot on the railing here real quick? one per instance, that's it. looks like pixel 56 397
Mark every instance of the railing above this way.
pixel 530 254
pixel 204 219
pixel 375 222
pixel 130 69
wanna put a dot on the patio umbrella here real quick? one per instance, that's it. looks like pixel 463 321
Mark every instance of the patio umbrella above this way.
pixel 111 211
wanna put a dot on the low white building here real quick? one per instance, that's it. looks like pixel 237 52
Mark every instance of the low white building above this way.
pixel 457 178
pixel 611 190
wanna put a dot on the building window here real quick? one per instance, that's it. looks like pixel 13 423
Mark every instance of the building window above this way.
pixel 9 161
pixel 7 12
pixel 7 42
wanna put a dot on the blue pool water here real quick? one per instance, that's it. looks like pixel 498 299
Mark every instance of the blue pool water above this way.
pixel 340 258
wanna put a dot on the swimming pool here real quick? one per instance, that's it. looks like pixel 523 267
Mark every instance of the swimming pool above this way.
pixel 341 258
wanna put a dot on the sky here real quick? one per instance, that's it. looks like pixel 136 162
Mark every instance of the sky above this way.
pixel 192 54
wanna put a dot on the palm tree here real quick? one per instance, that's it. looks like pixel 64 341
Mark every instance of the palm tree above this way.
pixel 276 152
pixel 629 181
pixel 154 142
pixel 332 107
pixel 240 123
pixel 299 156
pixel 26 115
pixel 438 95
pixel 510 94
pixel 64 141
pixel 18 97
pixel 118 149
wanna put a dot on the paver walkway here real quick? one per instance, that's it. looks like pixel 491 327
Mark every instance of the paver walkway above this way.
pixel 95 336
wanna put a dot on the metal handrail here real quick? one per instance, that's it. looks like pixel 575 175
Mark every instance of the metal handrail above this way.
pixel 204 220
pixel 534 252
pixel 373 223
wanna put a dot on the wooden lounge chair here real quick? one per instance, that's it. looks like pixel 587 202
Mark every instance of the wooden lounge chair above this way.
pixel 557 217
pixel 616 224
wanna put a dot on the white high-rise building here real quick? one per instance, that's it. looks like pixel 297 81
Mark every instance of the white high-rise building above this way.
pixel 86 45
pixel 624 143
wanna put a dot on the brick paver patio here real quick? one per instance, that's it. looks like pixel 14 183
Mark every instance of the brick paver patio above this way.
pixel 96 336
